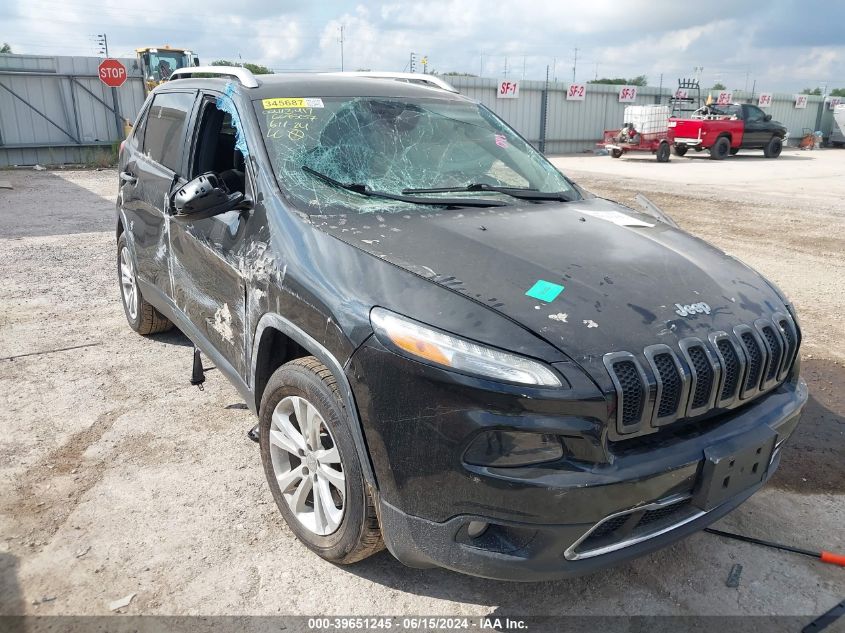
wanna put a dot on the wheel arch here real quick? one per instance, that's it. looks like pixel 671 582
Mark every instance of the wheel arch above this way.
pixel 277 341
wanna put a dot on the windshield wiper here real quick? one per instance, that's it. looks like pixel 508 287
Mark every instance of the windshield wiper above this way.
pixel 523 193
pixel 365 190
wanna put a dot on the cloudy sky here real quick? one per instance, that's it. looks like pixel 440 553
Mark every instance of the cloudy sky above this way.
pixel 784 45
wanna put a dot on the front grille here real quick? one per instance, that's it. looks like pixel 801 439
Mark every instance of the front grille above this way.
pixel 704 374
pixel 732 369
pixel 632 391
pixel 699 375
pixel 755 360
pixel 672 385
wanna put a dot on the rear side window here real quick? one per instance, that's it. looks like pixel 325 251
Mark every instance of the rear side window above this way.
pixel 164 133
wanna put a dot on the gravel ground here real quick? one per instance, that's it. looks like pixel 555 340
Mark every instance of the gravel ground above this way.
pixel 118 477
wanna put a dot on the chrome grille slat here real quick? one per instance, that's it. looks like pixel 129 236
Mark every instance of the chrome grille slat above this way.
pixel 672 384
pixel 756 358
pixel 705 371
pixel 789 334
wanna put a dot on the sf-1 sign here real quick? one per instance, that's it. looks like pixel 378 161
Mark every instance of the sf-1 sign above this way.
pixel 112 73
pixel 725 98
pixel 507 89
pixel 765 99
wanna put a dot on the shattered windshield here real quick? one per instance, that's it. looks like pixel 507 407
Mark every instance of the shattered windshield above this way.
pixel 394 146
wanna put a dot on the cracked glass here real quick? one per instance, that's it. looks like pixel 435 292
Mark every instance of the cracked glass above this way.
pixel 392 145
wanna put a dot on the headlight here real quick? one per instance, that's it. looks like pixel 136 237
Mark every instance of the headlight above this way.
pixel 439 348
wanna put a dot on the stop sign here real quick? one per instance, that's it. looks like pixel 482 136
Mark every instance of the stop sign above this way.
pixel 112 72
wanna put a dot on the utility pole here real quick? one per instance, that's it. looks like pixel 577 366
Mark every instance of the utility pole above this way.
pixel 103 42
pixel 523 68
pixel 554 68
pixel 341 47
pixel 574 65
pixel 424 62
pixel 506 67
pixel 481 64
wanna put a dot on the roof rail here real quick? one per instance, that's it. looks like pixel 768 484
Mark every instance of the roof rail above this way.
pixel 243 75
pixel 417 78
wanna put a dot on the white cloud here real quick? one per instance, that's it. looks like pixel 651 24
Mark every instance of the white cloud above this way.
pixel 730 40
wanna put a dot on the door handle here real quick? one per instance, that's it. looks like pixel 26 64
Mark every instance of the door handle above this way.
pixel 126 177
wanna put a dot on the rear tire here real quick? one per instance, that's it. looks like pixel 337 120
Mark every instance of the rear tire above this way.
pixel 720 148
pixel 317 454
pixel 142 316
pixel 616 153
pixel 663 152
pixel 774 147
pixel 734 151
pixel 680 150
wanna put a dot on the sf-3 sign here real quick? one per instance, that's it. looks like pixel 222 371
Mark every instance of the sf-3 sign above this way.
pixel 627 94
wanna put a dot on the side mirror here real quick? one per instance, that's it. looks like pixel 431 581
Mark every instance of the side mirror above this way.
pixel 768 117
pixel 203 197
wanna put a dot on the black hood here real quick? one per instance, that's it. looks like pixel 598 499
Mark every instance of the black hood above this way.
pixel 622 283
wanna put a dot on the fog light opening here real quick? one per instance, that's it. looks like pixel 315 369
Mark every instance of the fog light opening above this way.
pixel 477 528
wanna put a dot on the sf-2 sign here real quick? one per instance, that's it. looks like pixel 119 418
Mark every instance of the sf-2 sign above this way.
pixel 576 92
pixel 112 73
pixel 507 89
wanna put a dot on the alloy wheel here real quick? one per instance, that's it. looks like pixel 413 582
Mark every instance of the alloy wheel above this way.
pixel 307 465
pixel 128 286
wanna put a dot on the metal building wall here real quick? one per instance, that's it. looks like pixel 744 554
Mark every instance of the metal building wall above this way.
pixel 55 110
pixel 576 126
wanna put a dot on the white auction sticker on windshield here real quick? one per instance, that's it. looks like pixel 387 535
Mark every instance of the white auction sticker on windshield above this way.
pixel 292 102
pixel 617 218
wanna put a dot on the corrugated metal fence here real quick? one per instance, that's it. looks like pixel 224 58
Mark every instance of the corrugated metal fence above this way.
pixel 55 110
pixel 575 126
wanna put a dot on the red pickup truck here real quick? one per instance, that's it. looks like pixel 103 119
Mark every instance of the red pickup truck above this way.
pixel 726 129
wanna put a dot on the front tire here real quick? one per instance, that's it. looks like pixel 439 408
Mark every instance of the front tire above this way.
pixel 616 153
pixel 720 148
pixel 141 315
pixel 774 147
pixel 312 465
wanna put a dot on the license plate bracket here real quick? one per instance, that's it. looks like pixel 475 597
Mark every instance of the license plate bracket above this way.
pixel 734 465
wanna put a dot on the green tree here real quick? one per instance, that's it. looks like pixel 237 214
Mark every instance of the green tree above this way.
pixel 255 69
pixel 455 73
pixel 718 86
pixel 813 91
pixel 837 92
pixel 5 48
pixel 639 80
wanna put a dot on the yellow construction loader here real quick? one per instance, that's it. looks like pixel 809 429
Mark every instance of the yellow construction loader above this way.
pixel 159 61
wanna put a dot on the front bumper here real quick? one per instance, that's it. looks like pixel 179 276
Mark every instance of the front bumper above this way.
pixel 537 514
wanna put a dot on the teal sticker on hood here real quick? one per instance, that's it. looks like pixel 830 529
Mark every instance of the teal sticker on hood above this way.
pixel 545 291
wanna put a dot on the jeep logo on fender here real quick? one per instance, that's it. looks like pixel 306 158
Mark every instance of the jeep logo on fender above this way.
pixel 692 308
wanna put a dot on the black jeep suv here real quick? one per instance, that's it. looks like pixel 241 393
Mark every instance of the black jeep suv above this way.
pixel 451 348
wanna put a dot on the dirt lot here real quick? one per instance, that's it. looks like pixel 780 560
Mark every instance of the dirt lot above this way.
pixel 118 477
